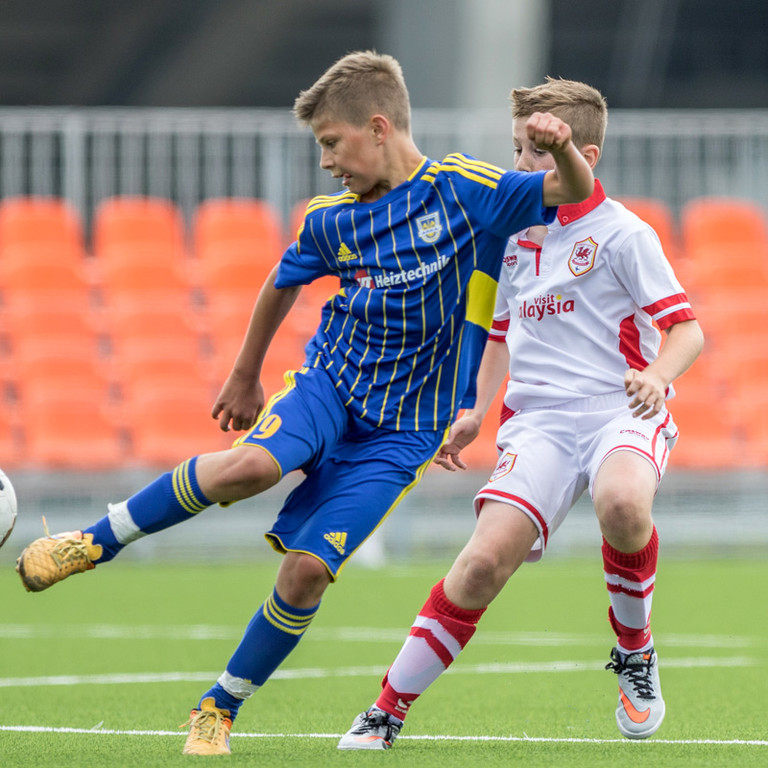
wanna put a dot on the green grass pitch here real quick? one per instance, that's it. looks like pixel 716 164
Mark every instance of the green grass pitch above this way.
pixel 102 669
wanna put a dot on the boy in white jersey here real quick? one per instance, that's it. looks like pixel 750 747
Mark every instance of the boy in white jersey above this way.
pixel 585 409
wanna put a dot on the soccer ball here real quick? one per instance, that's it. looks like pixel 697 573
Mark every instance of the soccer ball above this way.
pixel 8 507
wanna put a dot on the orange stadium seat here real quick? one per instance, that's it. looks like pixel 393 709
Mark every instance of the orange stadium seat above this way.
pixel 168 426
pixel 138 245
pixel 227 327
pixel 11 447
pixel 132 325
pixel 42 370
pixel 227 321
pixel 142 367
pixel 142 225
pixel 32 324
pixel 236 244
pixel 123 278
pixel 726 242
pixel 39 274
pixel 748 373
pixel 755 452
pixel 70 430
pixel 709 430
pixel 731 313
pixel 41 222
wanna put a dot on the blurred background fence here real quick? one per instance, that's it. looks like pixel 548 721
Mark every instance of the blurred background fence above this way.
pixel 187 155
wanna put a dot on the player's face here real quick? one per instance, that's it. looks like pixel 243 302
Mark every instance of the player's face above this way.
pixel 527 157
pixel 350 153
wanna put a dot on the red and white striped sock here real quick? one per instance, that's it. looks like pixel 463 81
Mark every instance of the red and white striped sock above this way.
pixel 438 635
pixel 630 579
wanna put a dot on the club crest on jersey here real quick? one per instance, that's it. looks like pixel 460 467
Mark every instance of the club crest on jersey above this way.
pixel 504 466
pixel 582 257
pixel 429 227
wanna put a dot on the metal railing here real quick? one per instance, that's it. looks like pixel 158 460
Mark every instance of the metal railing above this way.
pixel 188 155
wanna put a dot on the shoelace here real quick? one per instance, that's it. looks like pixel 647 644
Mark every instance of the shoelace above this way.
pixel 379 720
pixel 69 551
pixel 66 549
pixel 639 674
pixel 207 724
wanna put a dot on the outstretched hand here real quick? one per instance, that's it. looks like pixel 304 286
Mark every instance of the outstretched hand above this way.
pixel 461 434
pixel 648 392
pixel 239 403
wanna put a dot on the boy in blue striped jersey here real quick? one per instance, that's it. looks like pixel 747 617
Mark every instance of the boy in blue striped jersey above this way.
pixel 417 246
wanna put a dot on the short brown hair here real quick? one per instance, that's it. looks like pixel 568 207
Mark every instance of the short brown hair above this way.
pixel 580 105
pixel 357 86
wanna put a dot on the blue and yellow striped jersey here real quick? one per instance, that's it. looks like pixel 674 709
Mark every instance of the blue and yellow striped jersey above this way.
pixel 403 337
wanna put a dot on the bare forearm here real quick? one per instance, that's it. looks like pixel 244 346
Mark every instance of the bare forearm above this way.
pixel 683 344
pixel 572 180
pixel 490 376
pixel 269 311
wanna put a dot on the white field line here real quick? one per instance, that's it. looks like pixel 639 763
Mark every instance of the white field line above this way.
pixel 375 671
pixel 524 738
pixel 199 632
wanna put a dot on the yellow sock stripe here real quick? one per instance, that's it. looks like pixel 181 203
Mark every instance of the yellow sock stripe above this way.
pixel 285 622
pixel 182 489
pixel 289 618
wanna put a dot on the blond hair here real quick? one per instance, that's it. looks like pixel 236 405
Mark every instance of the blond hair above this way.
pixel 580 105
pixel 357 86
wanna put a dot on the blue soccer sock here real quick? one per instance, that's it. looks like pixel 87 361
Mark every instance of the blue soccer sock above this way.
pixel 170 499
pixel 271 635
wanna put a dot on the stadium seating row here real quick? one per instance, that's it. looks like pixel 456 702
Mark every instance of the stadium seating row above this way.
pixel 113 347
pixel 111 353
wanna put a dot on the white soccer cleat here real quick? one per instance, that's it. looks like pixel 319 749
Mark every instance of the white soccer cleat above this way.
pixel 641 707
pixel 370 730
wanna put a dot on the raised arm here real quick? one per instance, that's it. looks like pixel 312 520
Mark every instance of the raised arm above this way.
pixel 242 397
pixel 572 179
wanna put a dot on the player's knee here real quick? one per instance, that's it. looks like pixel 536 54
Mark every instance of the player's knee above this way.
pixel 623 515
pixel 483 574
pixel 302 580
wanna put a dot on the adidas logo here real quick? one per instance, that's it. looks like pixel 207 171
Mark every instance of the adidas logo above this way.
pixel 337 540
pixel 345 254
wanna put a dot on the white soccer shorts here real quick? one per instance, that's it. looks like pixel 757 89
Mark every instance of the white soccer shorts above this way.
pixel 550 456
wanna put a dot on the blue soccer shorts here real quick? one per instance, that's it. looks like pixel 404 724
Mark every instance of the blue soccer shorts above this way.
pixel 356 473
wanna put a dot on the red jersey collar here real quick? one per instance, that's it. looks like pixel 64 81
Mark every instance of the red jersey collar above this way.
pixel 568 213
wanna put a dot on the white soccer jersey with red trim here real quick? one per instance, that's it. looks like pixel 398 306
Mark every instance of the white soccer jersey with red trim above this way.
pixel 578 310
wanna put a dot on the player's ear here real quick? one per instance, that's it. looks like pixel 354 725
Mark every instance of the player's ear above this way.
pixel 380 128
pixel 591 154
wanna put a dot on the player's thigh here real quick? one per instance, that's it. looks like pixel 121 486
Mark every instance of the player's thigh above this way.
pixel 617 432
pixel 625 480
